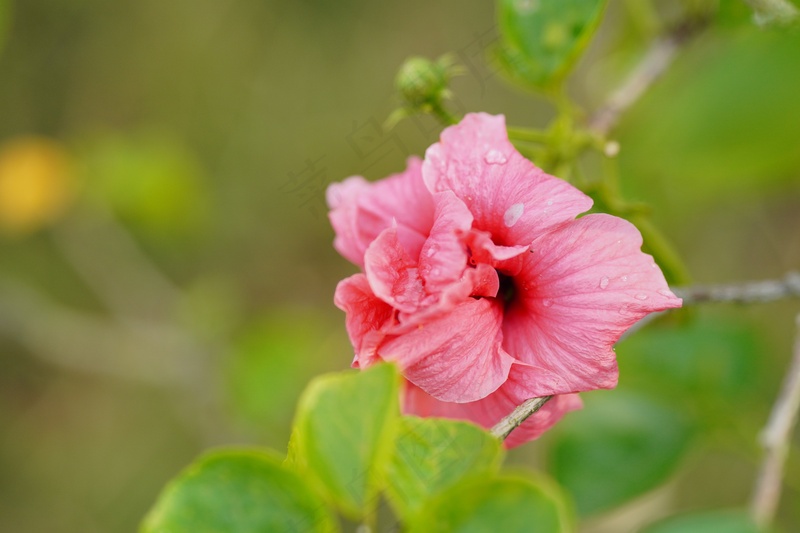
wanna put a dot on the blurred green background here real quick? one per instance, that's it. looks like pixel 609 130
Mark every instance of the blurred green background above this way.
pixel 166 269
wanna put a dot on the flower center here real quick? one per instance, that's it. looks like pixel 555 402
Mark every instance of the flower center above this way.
pixel 507 291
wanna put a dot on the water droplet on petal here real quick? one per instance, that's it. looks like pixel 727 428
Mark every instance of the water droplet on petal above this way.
pixel 641 296
pixel 627 310
pixel 495 157
pixel 603 282
pixel 550 202
pixel 547 302
pixel 624 278
pixel 512 214
pixel 432 249
pixel 665 292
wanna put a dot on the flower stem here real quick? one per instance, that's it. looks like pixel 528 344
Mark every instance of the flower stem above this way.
pixel 503 429
pixel 528 135
pixel 444 116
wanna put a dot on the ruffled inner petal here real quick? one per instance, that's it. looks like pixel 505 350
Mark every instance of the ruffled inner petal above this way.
pixel 444 254
pixel 392 274
pixel 361 210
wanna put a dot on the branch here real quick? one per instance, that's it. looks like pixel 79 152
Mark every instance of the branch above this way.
pixel 745 293
pixel 775 441
pixel 655 61
pixel 511 422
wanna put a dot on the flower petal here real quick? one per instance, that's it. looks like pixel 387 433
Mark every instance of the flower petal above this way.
pixel 507 194
pixel 392 274
pixel 506 259
pixel 367 316
pixel 585 283
pixel 483 280
pixel 457 357
pixel 343 200
pixel 444 255
pixel 361 210
pixel 490 410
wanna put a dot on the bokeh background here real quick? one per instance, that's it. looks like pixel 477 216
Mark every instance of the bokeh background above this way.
pixel 166 269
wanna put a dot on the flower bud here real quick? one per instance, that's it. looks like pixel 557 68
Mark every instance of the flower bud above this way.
pixel 423 82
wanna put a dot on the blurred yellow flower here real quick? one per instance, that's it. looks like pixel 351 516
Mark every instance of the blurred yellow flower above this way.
pixel 36 183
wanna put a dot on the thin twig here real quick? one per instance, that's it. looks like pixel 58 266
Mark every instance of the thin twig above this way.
pixel 775 441
pixel 113 265
pixel 511 422
pixel 748 292
pixel 133 350
pixel 142 352
pixel 745 293
pixel 655 61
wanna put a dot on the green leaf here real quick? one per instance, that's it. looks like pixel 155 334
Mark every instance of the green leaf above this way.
pixel 542 39
pixel 619 446
pixel 238 491
pixel 709 522
pixel 724 156
pixel 432 455
pixel 343 435
pixel 508 504
pixel 268 365
pixel 679 362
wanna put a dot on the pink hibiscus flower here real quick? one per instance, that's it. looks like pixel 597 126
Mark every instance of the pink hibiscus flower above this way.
pixel 482 285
